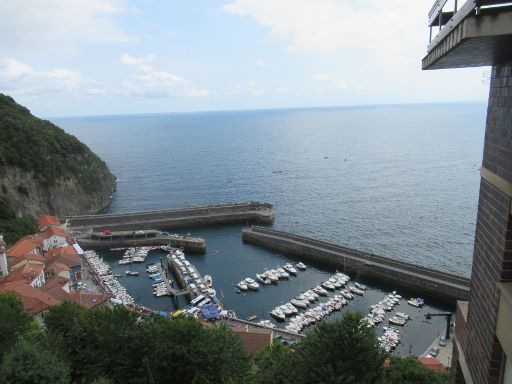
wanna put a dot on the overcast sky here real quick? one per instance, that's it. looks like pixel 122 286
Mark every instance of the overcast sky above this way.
pixel 87 57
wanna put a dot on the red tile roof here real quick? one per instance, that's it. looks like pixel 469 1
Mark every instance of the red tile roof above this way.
pixel 68 259
pixel 54 281
pixel 26 273
pixel 57 267
pixel 34 300
pixel 54 231
pixel 47 220
pixel 432 363
pixel 24 245
pixel 253 339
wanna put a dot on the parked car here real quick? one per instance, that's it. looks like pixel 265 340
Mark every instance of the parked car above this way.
pixel 442 341
pixel 434 351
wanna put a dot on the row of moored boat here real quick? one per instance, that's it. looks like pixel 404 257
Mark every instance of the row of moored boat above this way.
pixel 102 270
pixel 268 277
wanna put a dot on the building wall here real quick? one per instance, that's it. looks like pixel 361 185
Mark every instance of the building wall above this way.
pixel 492 258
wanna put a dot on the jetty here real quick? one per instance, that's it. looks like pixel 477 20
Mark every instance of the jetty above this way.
pixel 119 239
pixel 248 212
pixel 445 286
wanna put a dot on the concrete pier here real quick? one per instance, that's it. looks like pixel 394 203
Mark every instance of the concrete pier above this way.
pixel 445 286
pixel 122 239
pixel 251 212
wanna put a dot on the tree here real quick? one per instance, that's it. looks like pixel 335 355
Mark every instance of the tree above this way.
pixel 409 370
pixel 31 362
pixel 273 364
pixel 14 323
pixel 184 351
pixel 344 351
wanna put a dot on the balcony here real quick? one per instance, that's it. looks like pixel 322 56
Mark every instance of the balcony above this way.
pixel 479 33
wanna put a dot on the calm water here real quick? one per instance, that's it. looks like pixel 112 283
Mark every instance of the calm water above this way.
pixel 400 181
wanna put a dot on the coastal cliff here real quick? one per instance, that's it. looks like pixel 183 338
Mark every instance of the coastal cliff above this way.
pixel 44 170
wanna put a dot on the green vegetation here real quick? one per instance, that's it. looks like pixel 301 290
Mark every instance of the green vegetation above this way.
pixel 13 227
pixel 44 149
pixel 114 345
pixel 409 370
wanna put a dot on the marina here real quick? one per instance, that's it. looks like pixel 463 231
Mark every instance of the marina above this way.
pixel 415 336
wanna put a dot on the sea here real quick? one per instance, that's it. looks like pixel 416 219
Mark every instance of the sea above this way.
pixel 398 180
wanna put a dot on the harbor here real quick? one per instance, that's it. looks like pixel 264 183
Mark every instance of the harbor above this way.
pixel 236 260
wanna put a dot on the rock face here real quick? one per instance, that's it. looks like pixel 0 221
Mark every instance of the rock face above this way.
pixel 45 170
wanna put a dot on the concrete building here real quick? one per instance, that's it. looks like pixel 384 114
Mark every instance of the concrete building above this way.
pixel 479 33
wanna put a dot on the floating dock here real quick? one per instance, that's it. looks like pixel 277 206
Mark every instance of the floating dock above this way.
pixel 445 286
pixel 183 270
pixel 140 238
pixel 251 212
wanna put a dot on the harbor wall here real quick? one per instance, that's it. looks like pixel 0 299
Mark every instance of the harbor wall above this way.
pixel 189 244
pixel 252 212
pixel 445 286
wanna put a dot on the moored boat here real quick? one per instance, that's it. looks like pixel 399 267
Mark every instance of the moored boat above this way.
pixel 251 284
pixel 300 265
pixel 289 268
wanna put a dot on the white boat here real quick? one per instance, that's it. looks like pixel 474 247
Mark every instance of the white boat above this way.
pixel 327 285
pixel 263 279
pixel 319 291
pixel 124 261
pixel 346 294
pixel 355 290
pixel 337 284
pixel 303 304
pixel 300 265
pixel 130 273
pixel 416 302
pixel 251 284
pixel 361 286
pixel 278 314
pixel 397 321
pixel 266 324
pixel 271 276
pixel 287 311
pixel 242 286
pixel 208 280
pixel 403 315
pixel 289 268
pixel 282 273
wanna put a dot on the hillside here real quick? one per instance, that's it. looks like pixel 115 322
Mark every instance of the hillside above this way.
pixel 45 170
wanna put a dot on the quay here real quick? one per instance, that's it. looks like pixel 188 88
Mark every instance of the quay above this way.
pixel 250 212
pixel 140 238
pixel 445 286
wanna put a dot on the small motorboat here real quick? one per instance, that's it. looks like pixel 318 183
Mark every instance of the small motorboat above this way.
pixel 251 284
pixel 242 286
pixel 287 311
pixel 403 315
pixel 319 291
pixel 416 302
pixel 303 304
pixel 271 276
pixel 282 273
pixel 132 273
pixel 289 268
pixel 263 279
pixel 300 265
pixel 237 290
pixel 361 286
pixel 327 285
pixel 347 295
pixel 125 261
pixel 278 314
pixel 355 290
pixel 208 280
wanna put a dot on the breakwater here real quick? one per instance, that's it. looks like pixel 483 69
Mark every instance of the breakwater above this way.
pixel 445 286
pixel 252 212
pixel 139 238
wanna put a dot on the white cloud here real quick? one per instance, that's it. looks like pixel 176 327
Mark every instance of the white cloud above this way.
pixel 261 64
pixel 253 89
pixel 331 79
pixel 60 24
pixel 327 26
pixel 153 83
pixel 21 79
pixel 282 88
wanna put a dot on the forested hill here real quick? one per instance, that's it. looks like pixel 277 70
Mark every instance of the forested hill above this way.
pixel 45 170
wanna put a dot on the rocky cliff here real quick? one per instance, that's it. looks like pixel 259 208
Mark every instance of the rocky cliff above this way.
pixel 45 170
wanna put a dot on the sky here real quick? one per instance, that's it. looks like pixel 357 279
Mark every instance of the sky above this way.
pixel 96 57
